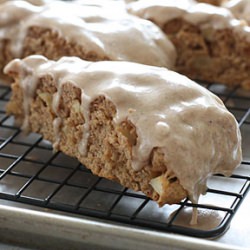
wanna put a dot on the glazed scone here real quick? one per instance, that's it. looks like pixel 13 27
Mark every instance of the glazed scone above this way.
pixel 149 128
pixel 239 8
pixel 211 44
pixel 90 32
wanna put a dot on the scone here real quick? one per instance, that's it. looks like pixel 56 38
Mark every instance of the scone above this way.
pixel 211 44
pixel 148 128
pixel 91 32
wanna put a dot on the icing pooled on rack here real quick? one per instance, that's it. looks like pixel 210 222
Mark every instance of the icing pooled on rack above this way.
pixel 196 133
pixel 115 35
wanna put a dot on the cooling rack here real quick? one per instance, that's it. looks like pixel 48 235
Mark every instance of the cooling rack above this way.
pixel 31 173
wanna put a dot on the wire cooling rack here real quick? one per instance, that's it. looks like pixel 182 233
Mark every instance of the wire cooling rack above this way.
pixel 31 173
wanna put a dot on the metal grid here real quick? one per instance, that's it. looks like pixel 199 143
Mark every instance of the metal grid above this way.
pixel 31 173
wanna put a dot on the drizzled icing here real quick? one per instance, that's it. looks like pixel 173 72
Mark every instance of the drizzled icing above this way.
pixel 240 8
pixel 110 33
pixel 200 14
pixel 197 134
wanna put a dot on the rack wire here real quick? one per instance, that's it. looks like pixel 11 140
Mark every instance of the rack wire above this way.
pixel 31 173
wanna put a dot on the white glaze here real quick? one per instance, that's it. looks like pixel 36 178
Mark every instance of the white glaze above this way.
pixel 197 134
pixel 112 34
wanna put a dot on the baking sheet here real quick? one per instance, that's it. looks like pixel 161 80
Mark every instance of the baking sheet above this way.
pixel 45 230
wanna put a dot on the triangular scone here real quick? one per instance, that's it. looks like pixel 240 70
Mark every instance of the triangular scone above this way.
pixel 91 32
pixel 146 127
pixel 211 44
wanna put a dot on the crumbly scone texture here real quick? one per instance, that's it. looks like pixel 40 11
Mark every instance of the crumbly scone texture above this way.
pixel 211 55
pixel 46 42
pixel 109 150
